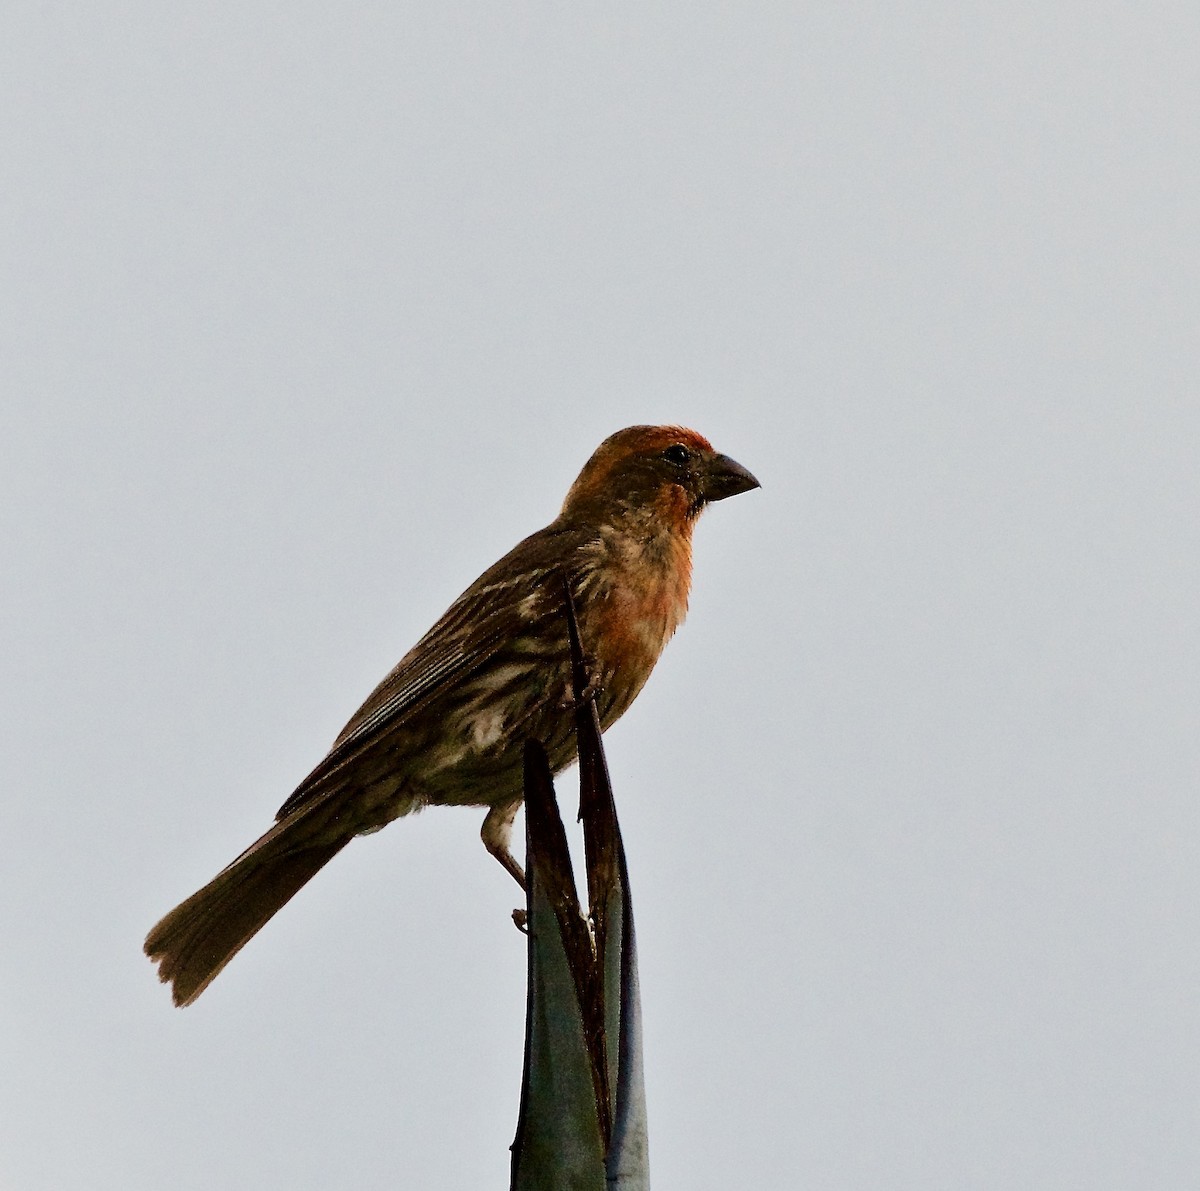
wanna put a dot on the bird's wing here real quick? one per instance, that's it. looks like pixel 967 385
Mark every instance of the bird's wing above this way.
pixel 493 611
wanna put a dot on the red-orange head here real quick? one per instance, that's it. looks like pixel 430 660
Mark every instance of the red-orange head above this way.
pixel 667 471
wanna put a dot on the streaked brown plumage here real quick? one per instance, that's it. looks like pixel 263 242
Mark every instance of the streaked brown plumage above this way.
pixel 447 725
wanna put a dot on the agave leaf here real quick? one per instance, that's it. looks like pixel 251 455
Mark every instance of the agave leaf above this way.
pixel 559 1145
pixel 582 1121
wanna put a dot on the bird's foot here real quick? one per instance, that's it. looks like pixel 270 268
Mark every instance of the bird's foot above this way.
pixel 590 692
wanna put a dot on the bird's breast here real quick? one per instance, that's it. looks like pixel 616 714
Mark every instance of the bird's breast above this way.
pixel 633 601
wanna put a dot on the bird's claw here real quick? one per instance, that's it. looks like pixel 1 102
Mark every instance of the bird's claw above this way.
pixel 570 703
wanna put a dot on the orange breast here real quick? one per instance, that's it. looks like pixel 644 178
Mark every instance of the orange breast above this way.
pixel 641 598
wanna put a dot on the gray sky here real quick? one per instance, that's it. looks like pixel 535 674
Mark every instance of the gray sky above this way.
pixel 309 313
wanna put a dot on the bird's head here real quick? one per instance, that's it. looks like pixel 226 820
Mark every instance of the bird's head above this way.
pixel 665 471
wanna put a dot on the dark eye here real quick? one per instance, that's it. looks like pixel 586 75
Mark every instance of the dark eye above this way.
pixel 678 455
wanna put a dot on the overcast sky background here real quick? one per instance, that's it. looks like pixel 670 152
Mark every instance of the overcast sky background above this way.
pixel 309 313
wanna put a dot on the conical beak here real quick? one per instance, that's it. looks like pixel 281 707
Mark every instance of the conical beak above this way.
pixel 725 477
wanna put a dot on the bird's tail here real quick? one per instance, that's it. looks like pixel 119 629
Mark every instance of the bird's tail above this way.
pixel 201 935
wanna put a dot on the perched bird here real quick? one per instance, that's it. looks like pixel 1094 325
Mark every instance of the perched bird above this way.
pixel 447 726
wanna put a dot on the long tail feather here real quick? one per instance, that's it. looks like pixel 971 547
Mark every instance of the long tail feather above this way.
pixel 201 935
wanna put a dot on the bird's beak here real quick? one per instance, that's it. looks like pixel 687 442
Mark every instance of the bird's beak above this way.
pixel 724 477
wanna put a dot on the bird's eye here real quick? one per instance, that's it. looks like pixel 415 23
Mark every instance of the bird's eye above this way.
pixel 678 455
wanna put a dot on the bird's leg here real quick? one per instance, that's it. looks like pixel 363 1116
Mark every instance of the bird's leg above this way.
pixel 496 834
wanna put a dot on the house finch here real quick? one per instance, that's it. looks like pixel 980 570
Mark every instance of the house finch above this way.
pixel 447 726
